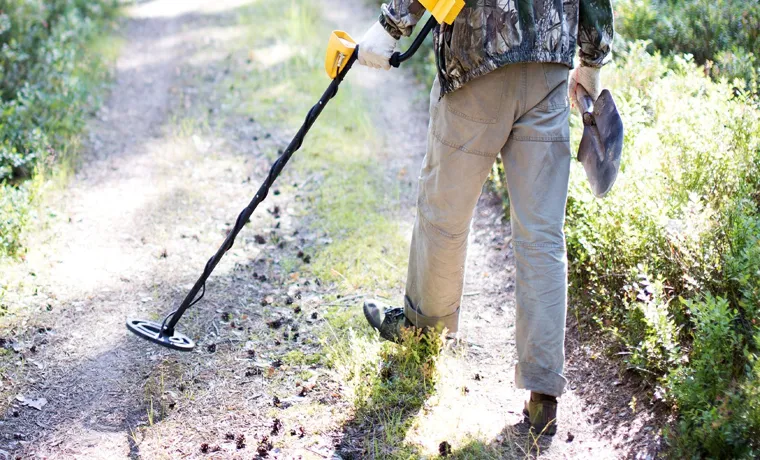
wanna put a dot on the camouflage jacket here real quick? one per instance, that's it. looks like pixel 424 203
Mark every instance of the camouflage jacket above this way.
pixel 489 34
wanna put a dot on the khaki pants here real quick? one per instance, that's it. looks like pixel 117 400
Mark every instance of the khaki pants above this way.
pixel 520 110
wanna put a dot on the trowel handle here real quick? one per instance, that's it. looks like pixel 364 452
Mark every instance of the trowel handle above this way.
pixel 586 105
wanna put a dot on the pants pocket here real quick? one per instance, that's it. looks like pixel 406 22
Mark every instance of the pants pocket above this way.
pixel 556 76
pixel 480 100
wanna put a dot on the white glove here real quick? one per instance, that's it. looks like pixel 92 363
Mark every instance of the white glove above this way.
pixel 587 77
pixel 377 47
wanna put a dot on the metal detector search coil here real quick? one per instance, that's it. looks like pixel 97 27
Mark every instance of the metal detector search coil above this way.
pixel 152 331
pixel 341 55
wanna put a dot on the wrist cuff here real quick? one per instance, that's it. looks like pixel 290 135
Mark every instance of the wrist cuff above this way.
pixel 389 27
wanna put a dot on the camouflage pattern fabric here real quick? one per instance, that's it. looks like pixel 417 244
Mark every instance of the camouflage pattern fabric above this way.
pixel 489 34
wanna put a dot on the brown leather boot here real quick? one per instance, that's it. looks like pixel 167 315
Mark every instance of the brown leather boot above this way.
pixel 541 411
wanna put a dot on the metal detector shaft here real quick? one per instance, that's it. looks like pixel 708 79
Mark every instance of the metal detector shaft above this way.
pixel 242 219
pixel 164 334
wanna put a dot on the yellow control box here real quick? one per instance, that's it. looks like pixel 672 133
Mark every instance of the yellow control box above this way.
pixel 444 10
pixel 340 47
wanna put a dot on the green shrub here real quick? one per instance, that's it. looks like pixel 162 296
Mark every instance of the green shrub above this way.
pixel 14 210
pixel 719 417
pixel 743 261
pixel 726 32
pixel 47 85
pixel 670 260
pixel 43 76
pixel 651 332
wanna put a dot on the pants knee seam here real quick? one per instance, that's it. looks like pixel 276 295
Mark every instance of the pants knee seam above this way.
pixel 441 231
pixel 539 245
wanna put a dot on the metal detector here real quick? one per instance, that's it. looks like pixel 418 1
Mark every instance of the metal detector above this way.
pixel 341 54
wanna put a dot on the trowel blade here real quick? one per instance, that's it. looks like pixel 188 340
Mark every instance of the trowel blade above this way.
pixel 602 145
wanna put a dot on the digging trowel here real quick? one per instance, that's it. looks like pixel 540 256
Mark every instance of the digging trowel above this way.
pixel 602 141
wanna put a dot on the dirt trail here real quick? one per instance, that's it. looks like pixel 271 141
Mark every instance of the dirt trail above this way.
pixel 118 249
pixel 149 205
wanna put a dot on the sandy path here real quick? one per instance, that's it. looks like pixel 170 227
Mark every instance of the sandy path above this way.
pixel 133 227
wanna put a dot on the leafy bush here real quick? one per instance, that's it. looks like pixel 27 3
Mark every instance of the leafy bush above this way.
pixel 726 32
pixel 718 416
pixel 669 261
pixel 687 206
pixel 47 84
pixel 13 217
pixel 651 332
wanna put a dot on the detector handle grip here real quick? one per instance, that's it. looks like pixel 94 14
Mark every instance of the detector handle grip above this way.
pixel 397 58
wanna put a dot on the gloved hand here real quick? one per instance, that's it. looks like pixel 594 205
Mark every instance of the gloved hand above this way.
pixel 376 47
pixel 587 77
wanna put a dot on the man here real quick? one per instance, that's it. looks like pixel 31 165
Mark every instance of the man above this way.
pixel 502 87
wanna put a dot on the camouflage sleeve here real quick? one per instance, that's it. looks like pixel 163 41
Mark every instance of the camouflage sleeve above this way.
pixel 400 16
pixel 595 32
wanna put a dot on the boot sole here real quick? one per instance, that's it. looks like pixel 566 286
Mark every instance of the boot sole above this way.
pixel 368 317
